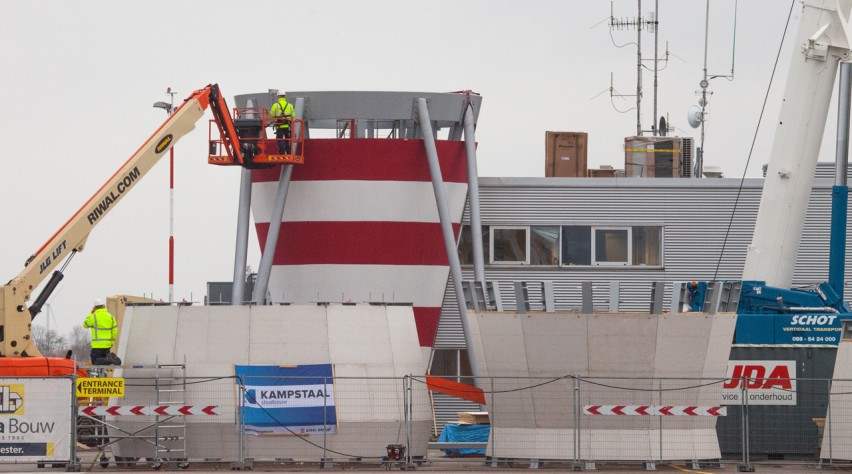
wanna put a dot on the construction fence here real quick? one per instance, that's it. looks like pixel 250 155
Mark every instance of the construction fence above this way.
pixel 166 418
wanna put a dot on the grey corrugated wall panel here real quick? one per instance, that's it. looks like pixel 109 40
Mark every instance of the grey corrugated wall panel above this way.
pixel 449 334
pixel 825 170
pixel 695 214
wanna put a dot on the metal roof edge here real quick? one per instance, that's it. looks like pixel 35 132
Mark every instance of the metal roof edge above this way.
pixel 549 182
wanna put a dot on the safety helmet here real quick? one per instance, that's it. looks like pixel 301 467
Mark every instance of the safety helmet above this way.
pixel 282 94
pixel 99 302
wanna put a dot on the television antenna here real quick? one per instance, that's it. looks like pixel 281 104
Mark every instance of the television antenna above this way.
pixel 651 25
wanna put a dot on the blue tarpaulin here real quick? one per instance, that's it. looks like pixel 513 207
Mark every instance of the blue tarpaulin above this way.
pixel 454 433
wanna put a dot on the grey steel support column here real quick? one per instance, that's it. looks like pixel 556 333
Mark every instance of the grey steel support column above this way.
pixel 841 165
pixel 455 133
pixel 840 190
pixel 241 253
pixel 614 296
pixel 588 301
pixel 266 259
pixel 473 194
pixel 657 290
pixel 446 227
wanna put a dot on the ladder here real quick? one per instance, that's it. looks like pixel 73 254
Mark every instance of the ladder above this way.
pixel 170 431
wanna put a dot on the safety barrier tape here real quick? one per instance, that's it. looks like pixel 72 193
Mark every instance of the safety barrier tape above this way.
pixel 148 410
pixel 656 410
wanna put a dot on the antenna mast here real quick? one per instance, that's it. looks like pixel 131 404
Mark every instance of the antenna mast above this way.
pixel 651 24
pixel 704 84
pixel 697 115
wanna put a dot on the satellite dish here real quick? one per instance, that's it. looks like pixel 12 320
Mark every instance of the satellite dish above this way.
pixel 694 116
pixel 663 128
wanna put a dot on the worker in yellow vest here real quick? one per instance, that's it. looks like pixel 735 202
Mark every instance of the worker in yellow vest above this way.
pixel 282 115
pixel 104 331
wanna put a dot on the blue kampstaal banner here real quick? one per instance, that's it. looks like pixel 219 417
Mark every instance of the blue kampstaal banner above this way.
pixel 288 400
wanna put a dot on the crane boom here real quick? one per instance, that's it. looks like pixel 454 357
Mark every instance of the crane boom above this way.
pixel 15 316
pixel 823 41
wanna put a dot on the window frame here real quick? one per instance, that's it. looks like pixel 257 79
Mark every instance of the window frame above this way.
pixel 493 230
pixel 561 241
pixel 593 228
pixel 661 247
pixel 629 243
pixel 558 246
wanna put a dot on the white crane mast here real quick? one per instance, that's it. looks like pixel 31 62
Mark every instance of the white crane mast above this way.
pixel 822 42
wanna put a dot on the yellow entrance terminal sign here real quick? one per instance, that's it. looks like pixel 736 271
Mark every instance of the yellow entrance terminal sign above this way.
pixel 100 387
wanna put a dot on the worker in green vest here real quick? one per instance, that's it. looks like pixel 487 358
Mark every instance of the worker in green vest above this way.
pixel 104 331
pixel 282 115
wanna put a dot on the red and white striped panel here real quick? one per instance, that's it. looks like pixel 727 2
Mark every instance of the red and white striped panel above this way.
pixel 149 410
pixel 361 224
pixel 656 410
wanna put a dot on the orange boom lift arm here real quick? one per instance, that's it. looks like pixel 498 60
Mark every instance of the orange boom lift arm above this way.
pixel 244 145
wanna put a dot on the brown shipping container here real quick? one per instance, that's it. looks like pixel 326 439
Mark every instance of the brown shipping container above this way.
pixel 565 154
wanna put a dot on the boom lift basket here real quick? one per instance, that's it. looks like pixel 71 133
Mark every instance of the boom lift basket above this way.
pixel 258 150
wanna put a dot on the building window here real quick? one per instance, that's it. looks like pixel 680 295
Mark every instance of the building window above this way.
pixel 576 245
pixel 611 245
pixel 647 245
pixel 451 363
pixel 510 244
pixel 544 245
pixel 466 245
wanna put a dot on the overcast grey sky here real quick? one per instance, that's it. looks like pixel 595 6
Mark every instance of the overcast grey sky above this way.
pixel 79 79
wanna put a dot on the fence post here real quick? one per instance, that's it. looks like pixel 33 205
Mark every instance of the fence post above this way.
pixel 829 423
pixel 241 425
pixel 577 418
pixel 325 422
pixel 408 416
pixel 405 414
pixel 492 412
pixel 73 465
pixel 241 431
pixel 660 395
pixel 325 461
pixel 745 466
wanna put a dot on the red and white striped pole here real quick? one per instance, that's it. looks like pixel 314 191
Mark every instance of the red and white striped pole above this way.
pixel 169 108
pixel 171 224
pixel 171 206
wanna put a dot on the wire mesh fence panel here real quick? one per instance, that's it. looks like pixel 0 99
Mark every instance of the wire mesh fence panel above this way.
pixel 688 411
pixel 332 420
pixel 731 426
pixel 610 428
pixel 169 418
pixel 531 418
pixel 461 436
pixel 782 419
pixel 420 422
pixel 648 420
pixel 835 436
